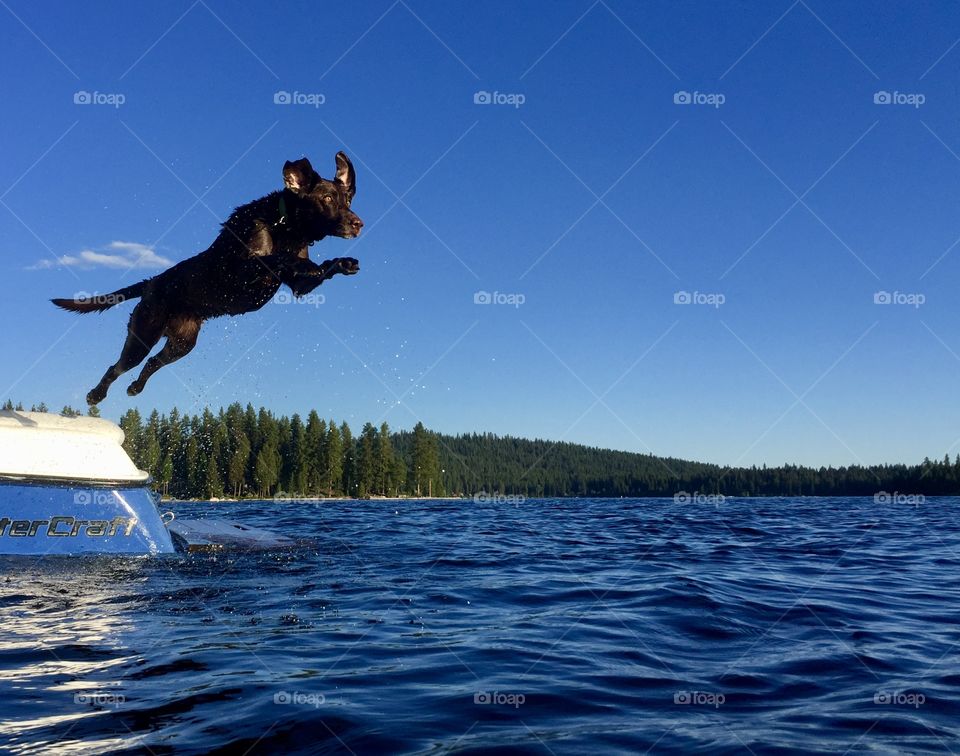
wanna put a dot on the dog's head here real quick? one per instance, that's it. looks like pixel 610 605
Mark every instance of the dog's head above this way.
pixel 321 207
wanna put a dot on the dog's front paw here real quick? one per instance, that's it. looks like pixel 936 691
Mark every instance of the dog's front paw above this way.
pixel 348 266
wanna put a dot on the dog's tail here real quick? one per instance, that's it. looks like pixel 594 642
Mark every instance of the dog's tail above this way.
pixel 100 302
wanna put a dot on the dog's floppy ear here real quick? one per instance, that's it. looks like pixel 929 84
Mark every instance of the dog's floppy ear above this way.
pixel 346 175
pixel 299 175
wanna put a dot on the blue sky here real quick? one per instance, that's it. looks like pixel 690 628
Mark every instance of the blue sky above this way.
pixel 588 196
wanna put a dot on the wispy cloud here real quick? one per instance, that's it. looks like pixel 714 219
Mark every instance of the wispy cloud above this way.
pixel 119 255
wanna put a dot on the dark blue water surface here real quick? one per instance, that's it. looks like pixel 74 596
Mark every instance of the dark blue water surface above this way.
pixel 573 626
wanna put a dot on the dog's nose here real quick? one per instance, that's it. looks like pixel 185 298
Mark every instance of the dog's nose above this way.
pixel 357 225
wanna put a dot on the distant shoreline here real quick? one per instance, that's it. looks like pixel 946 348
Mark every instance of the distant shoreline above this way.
pixel 693 500
pixel 316 499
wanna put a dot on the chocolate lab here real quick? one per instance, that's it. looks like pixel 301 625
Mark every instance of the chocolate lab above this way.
pixel 262 245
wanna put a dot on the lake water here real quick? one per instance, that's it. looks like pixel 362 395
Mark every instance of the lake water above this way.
pixel 566 627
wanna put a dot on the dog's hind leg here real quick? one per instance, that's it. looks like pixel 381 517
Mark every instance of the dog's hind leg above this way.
pixel 181 339
pixel 143 332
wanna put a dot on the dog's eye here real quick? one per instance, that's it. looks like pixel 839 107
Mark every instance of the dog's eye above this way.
pixel 328 198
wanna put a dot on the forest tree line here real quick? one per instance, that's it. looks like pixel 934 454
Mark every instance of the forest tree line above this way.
pixel 245 452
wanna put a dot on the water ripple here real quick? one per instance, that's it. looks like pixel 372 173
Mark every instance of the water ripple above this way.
pixel 571 626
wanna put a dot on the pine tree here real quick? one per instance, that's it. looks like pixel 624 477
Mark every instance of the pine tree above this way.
pixel 349 452
pixel 315 452
pixel 130 425
pixel 239 461
pixel 425 467
pixel 232 425
pixel 211 447
pixel 213 483
pixel 266 471
pixel 368 463
pixel 170 445
pixel 333 475
pixel 221 448
pixel 150 445
pixel 193 466
pixel 398 475
pixel 165 475
pixel 179 436
pixel 298 462
pixel 251 426
pixel 387 483
pixel 285 449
